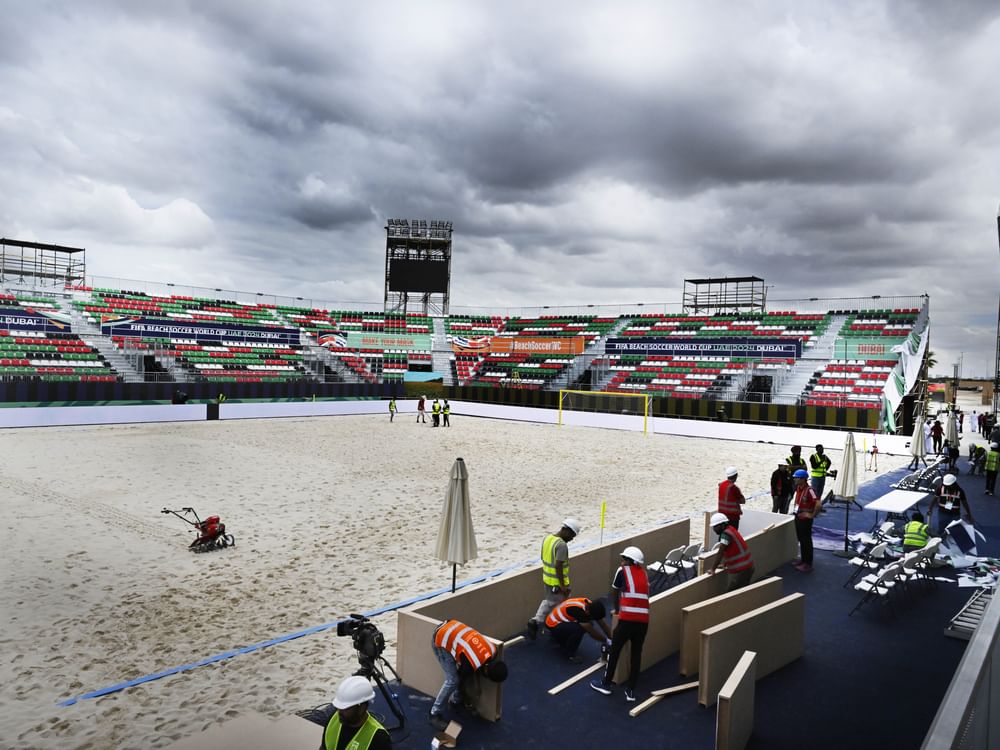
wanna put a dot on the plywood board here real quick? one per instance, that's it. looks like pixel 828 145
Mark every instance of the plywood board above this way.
pixel 773 545
pixel 705 614
pixel 658 695
pixel 734 716
pixel 776 632
pixel 576 678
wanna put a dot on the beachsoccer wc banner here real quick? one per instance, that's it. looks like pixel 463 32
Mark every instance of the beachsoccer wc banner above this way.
pixel 153 328
pixel 751 347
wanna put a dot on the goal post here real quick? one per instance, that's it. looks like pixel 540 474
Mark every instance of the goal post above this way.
pixel 610 402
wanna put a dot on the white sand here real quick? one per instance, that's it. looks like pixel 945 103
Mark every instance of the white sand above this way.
pixel 331 516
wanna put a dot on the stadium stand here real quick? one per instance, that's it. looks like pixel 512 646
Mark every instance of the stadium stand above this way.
pixel 786 324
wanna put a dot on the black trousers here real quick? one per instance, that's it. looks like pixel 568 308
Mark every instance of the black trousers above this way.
pixel 568 635
pixel 804 532
pixel 626 631
pixel 991 481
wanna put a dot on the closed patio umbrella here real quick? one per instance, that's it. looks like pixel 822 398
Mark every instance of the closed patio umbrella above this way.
pixel 845 486
pixel 918 446
pixel 456 542
pixel 951 429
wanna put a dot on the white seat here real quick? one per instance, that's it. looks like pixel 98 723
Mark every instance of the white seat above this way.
pixel 669 567
pixel 689 560
pixel 879 584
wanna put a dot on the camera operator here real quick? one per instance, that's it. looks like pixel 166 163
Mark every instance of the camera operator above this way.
pixel 352 726
pixel 462 652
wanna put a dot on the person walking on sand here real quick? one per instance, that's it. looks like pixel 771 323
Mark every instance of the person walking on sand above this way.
pixel 555 572
pixel 731 497
pixel 392 408
pixel 446 412
pixel 421 408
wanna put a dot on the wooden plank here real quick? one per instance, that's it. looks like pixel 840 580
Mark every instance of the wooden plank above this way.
pixel 576 678
pixel 734 717
pixel 698 617
pixel 658 695
pixel 513 641
pixel 776 632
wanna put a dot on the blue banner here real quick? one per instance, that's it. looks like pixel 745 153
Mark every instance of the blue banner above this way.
pixel 157 328
pixel 19 319
pixel 729 346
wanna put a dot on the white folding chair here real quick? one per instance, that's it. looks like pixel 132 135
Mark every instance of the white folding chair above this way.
pixel 867 561
pixel 689 560
pixel 669 567
pixel 879 584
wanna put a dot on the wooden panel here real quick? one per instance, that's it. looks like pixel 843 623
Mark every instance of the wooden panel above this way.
pixel 706 614
pixel 776 632
pixel 734 717
pixel 771 547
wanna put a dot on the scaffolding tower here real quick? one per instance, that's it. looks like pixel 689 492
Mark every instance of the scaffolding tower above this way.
pixel 39 264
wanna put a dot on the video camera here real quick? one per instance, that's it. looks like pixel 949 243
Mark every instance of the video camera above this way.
pixel 368 640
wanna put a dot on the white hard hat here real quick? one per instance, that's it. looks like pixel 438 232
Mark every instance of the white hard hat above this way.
pixel 353 691
pixel 731 471
pixel 718 518
pixel 573 525
pixel 634 554
pixel 950 479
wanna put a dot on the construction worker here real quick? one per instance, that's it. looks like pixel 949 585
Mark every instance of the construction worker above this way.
pixel 992 464
pixel 731 497
pixel 571 619
pixel 915 533
pixel 795 460
pixel 436 413
pixel 819 470
pixel 735 553
pixel 555 572
pixel 352 726
pixel 446 412
pixel 807 507
pixel 630 594
pixel 949 501
pixel 392 408
pixel 421 409
pixel 462 652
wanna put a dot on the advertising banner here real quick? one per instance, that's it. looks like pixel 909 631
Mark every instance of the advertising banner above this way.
pixel 201 331
pixel 374 340
pixel 750 346
pixel 866 348
pixel 555 345
pixel 21 319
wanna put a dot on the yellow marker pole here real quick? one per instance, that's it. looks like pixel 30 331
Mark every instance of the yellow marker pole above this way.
pixel 604 507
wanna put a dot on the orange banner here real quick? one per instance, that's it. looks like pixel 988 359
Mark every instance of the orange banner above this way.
pixel 520 344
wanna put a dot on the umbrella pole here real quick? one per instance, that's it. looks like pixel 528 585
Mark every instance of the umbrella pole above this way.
pixel 846 552
pixel 454 572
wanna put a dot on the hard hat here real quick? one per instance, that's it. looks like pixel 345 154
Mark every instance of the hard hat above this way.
pixel 949 480
pixel 573 525
pixel 634 554
pixel 353 691
pixel 800 474
pixel 731 471
pixel 718 518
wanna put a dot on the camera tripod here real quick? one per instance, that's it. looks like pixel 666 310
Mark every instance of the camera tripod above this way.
pixel 374 669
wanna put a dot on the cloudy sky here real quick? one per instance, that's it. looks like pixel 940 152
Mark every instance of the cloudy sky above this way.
pixel 586 153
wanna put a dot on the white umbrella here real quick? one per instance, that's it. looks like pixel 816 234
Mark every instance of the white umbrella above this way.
pixel 918 448
pixel 845 486
pixel 456 542
pixel 951 429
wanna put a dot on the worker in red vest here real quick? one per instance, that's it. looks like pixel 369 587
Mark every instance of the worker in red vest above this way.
pixel 462 652
pixel 731 497
pixel 735 553
pixel 807 507
pixel 630 592
pixel 572 618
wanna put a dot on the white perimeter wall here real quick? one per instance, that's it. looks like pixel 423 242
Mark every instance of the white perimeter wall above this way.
pixel 48 416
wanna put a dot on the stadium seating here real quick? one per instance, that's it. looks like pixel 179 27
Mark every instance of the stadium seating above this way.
pixel 678 377
pixel 786 324
pixel 852 382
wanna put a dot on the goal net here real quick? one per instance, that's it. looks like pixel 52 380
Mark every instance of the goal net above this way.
pixel 625 410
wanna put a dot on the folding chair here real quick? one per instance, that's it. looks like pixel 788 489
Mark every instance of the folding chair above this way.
pixel 926 561
pixel 689 560
pixel 866 562
pixel 878 584
pixel 670 567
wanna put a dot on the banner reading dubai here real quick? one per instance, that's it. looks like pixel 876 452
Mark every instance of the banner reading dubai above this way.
pixel 201 331
pixel 27 319
pixel 757 348
pixel 555 345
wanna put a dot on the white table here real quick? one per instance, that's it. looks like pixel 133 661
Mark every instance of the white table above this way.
pixel 896 503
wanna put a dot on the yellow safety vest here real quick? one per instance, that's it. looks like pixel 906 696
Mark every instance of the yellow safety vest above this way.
pixel 549 575
pixel 447 408
pixel 361 741
pixel 436 408
pixel 824 464
pixel 915 534
pixel 992 460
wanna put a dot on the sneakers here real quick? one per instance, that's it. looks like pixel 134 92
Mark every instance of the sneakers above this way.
pixel 601 686
pixel 438 721
pixel 803 568
pixel 532 629
pixel 630 695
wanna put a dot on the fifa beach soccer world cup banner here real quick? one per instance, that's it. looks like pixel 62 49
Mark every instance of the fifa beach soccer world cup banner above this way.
pixel 358 340
pixel 752 347
pixel 555 345
pixel 154 328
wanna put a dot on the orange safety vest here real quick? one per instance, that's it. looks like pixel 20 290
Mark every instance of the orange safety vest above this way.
pixel 805 499
pixel 459 640
pixel 633 600
pixel 736 554
pixel 730 499
pixel 560 613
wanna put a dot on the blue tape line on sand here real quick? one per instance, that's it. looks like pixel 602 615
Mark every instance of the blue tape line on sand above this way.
pixel 274 641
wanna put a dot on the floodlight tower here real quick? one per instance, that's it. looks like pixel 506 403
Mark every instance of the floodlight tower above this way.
pixel 996 372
